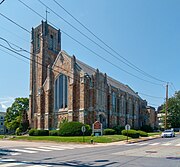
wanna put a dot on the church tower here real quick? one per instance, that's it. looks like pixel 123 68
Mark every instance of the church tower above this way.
pixel 45 46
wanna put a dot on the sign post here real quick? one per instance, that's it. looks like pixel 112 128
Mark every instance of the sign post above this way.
pixel 127 127
pixel 83 129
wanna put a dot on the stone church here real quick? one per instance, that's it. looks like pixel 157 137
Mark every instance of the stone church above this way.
pixel 64 88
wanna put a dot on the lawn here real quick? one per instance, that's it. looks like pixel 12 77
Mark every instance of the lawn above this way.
pixel 76 139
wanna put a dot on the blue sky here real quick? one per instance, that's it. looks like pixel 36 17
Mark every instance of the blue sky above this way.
pixel 146 33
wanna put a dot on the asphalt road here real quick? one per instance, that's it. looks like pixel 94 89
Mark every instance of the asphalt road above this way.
pixel 161 152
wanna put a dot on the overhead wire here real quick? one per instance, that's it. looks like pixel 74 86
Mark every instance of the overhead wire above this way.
pixel 108 61
pixel 127 62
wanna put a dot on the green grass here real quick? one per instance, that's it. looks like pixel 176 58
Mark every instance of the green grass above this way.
pixel 1 136
pixel 77 139
pixel 154 133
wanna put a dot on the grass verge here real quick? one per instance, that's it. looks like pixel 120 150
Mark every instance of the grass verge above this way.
pixel 75 139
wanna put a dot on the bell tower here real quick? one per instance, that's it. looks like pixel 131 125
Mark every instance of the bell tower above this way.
pixel 45 46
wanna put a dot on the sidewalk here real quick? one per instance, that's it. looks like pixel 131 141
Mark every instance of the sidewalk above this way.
pixel 141 139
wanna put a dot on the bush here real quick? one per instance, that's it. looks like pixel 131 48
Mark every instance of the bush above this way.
pixel 74 129
pixel 54 133
pixel 118 129
pixel 147 128
pixel 109 132
pixel 18 131
pixel 131 133
pixel 142 133
pixel 35 132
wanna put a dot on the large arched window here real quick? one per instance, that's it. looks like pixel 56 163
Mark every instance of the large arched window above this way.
pixel 61 92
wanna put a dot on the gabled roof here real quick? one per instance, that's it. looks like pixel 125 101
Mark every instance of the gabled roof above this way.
pixel 90 71
pixel 125 88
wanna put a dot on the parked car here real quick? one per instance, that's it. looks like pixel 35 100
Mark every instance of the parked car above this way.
pixel 168 133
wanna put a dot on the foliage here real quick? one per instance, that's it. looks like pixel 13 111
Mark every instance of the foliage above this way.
pixel 109 132
pixel 174 111
pixel 18 131
pixel 147 128
pixel 131 133
pixel 74 129
pixel 118 129
pixel 142 133
pixel 16 115
pixel 35 132
pixel 54 133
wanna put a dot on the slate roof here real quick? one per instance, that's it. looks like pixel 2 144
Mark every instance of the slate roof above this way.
pixel 89 70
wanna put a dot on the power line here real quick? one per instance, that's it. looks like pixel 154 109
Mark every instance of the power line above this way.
pixel 21 49
pixel 15 23
pixel 2 2
pixel 89 48
pixel 151 96
pixel 128 62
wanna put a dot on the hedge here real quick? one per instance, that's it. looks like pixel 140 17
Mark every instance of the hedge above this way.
pixel 142 133
pixel 131 133
pixel 74 129
pixel 54 133
pixel 118 129
pixel 35 132
pixel 109 132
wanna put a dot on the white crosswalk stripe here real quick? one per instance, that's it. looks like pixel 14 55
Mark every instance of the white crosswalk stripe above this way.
pixel 25 151
pixel 38 149
pixel 10 164
pixel 143 144
pixel 63 147
pixel 177 144
pixel 166 144
pixel 154 144
pixel 51 148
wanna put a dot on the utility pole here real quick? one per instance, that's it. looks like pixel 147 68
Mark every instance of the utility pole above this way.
pixel 166 109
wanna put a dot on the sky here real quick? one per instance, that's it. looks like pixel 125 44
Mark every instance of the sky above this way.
pixel 144 33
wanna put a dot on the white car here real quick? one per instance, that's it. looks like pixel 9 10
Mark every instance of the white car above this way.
pixel 168 133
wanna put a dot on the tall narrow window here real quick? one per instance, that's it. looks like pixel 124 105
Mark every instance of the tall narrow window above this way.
pixel 51 42
pixel 38 41
pixel 61 92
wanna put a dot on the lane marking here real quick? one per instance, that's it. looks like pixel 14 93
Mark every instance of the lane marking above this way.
pixel 51 148
pixel 38 149
pixel 166 144
pixel 10 164
pixel 63 147
pixel 177 144
pixel 25 151
pixel 153 144
pixel 142 144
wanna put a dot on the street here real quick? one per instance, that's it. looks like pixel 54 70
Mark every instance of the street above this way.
pixel 161 152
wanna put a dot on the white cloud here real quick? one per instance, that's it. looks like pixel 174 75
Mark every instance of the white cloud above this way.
pixel 6 102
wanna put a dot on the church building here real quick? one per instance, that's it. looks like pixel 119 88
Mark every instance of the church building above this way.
pixel 64 88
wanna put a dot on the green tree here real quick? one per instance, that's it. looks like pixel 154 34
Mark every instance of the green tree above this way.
pixel 173 112
pixel 16 115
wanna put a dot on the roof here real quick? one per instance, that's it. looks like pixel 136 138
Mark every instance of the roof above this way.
pixel 89 70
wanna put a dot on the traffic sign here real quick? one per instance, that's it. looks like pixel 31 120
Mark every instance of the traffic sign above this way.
pixel 127 127
pixel 83 128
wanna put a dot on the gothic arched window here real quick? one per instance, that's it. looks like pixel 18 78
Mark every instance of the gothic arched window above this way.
pixel 61 92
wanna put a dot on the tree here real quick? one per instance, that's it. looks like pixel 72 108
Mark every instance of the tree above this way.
pixel 16 115
pixel 173 112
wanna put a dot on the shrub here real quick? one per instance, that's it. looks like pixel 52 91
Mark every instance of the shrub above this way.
pixel 109 132
pixel 118 129
pixel 54 133
pixel 142 133
pixel 131 133
pixel 35 132
pixel 147 128
pixel 74 129
pixel 18 131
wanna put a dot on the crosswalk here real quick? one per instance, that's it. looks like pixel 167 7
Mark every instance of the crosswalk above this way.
pixel 153 144
pixel 34 150
pixel 13 162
